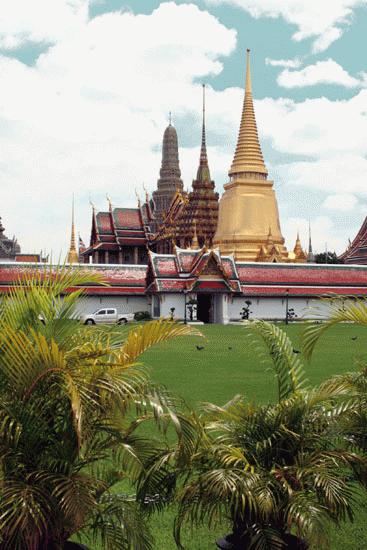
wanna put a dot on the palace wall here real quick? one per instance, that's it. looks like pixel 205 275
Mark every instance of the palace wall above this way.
pixel 275 307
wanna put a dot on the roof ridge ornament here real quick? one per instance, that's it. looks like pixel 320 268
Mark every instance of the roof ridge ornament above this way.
pixel 138 198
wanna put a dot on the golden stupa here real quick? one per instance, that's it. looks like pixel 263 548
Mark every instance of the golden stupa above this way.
pixel 248 222
pixel 72 257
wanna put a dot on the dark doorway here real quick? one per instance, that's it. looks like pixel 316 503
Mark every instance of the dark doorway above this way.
pixel 205 313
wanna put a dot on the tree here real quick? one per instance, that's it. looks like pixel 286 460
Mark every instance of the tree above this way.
pixel 327 258
pixel 280 473
pixel 71 401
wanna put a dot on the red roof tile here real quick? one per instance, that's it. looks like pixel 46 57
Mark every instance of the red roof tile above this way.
pixel 127 218
pixel 104 224
pixel 312 274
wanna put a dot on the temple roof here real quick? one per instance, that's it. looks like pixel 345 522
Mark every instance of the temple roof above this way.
pixel 208 271
pixel 122 279
pixel 8 247
pixel 248 155
pixel 120 227
pixel 191 270
pixel 356 252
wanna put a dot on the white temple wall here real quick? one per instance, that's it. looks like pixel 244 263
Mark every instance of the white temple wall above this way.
pixel 260 308
pixel 175 300
pixel 275 307
pixel 123 304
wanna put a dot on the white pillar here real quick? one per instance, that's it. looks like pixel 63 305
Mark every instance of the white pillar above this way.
pixel 225 317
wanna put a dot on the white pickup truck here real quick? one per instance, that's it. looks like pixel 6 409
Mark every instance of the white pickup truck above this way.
pixel 106 315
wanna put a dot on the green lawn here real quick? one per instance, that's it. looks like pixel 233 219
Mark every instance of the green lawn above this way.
pixel 217 373
pixel 229 364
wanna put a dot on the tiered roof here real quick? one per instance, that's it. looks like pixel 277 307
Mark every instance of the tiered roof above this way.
pixel 192 270
pixel 120 227
pixel 356 253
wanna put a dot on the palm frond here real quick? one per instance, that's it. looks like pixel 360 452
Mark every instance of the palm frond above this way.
pixel 352 310
pixel 287 366
pixel 143 337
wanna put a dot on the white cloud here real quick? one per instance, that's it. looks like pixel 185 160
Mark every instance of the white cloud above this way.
pixel 318 129
pixel 324 21
pixel 322 72
pixel 342 201
pixel 330 175
pixel 324 233
pixel 89 116
pixel 38 21
pixel 287 63
pixel 326 39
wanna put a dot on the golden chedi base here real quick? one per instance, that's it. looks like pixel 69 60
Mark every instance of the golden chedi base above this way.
pixel 248 222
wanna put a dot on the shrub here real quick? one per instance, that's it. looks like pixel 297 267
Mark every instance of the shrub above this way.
pixel 142 316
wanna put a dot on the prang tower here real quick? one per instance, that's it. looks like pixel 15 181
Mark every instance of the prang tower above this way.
pixel 170 176
pixel 248 221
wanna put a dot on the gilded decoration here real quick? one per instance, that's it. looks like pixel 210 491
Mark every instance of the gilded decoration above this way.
pixel 248 206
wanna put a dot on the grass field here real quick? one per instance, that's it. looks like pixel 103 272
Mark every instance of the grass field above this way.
pixel 217 373
pixel 229 365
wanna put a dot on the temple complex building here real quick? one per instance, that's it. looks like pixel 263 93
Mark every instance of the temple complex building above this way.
pixel 9 248
pixel 248 224
pixel 119 235
pixel 195 215
pixel 169 182
pixel 205 286
pixel 245 222
pixel 356 252
pixel 298 255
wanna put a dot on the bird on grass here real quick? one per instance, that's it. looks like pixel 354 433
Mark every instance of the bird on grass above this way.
pixel 296 351
pixel 354 337
pixel 199 348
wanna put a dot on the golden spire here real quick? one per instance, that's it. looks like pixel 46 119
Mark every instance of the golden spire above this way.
pixel 203 173
pixel 72 254
pixel 298 250
pixel 195 242
pixel 248 156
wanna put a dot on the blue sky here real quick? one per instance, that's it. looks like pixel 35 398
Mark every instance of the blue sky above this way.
pixel 87 86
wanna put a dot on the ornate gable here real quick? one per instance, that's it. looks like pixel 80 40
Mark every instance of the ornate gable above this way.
pixel 194 270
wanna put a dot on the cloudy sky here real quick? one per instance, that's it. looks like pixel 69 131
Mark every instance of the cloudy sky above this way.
pixel 86 87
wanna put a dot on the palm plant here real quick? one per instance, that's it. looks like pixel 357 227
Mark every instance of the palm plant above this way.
pixel 280 473
pixel 72 400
